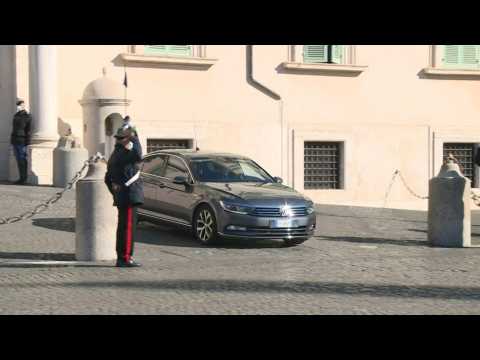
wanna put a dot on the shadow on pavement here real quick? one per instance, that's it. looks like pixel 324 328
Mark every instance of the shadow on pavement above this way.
pixel 49 265
pixel 59 224
pixel 37 256
pixel 418 230
pixel 307 287
pixel 155 234
pixel 380 241
pixel 320 214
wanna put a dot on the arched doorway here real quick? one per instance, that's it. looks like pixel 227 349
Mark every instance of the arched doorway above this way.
pixel 112 123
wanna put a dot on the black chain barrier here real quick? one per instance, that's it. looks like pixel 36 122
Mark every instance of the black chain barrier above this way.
pixel 46 204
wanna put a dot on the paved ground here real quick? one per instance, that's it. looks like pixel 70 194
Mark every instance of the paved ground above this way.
pixel 361 261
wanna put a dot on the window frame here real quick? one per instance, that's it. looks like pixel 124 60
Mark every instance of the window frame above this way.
pixel 436 60
pixel 439 138
pixel 155 156
pixel 190 177
pixel 347 165
pixel 475 146
pixel 294 63
pixel 135 55
pixel 340 161
pixel 295 55
pixel 198 51
pixel 190 143
pixel 180 160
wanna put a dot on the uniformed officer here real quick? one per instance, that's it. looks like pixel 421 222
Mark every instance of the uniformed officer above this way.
pixel 20 139
pixel 127 122
pixel 123 181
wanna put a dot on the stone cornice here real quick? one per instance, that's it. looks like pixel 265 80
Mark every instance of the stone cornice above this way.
pixel 167 61
pixel 105 102
pixel 450 72
pixel 331 69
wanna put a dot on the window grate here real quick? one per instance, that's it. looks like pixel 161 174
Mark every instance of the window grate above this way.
pixel 464 153
pixel 163 144
pixel 321 165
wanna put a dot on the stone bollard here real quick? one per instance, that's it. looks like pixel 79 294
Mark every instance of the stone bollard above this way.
pixel 449 216
pixel 68 158
pixel 95 225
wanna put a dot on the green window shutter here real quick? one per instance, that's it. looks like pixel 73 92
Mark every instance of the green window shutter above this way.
pixel 470 56
pixel 155 49
pixel 181 50
pixel 174 50
pixel 461 56
pixel 337 54
pixel 315 53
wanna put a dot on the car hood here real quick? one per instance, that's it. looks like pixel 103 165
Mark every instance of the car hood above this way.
pixel 260 192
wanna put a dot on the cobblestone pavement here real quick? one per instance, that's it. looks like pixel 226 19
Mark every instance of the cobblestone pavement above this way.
pixel 361 261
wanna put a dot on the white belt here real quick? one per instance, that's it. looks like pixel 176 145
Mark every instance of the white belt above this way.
pixel 133 179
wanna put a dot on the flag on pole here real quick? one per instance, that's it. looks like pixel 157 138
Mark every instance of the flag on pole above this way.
pixel 125 83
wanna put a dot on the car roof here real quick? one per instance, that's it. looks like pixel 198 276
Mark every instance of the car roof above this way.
pixel 192 154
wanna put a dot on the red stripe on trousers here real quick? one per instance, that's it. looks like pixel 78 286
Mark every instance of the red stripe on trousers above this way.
pixel 129 234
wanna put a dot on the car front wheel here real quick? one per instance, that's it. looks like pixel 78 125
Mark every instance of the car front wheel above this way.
pixel 205 225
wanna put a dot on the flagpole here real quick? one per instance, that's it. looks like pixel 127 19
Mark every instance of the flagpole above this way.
pixel 125 84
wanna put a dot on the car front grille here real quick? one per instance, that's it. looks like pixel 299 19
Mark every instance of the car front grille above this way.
pixel 276 212
pixel 272 233
pixel 284 231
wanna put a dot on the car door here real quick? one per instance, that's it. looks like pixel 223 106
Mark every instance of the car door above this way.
pixel 179 198
pixel 153 170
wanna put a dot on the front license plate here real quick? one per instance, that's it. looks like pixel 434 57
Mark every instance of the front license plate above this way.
pixel 283 223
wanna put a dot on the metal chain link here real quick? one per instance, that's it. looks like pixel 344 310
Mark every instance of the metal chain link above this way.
pixel 474 197
pixel 409 189
pixel 398 173
pixel 46 204
pixel 390 188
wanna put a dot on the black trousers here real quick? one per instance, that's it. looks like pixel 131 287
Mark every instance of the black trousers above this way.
pixel 21 157
pixel 126 231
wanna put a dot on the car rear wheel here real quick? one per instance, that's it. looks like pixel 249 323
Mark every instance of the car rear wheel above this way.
pixel 293 242
pixel 205 225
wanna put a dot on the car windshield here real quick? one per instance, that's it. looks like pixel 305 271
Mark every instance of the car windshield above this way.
pixel 227 169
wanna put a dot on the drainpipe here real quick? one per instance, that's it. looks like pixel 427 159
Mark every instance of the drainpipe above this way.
pixel 251 80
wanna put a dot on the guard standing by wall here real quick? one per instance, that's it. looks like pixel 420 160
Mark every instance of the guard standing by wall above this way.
pixel 123 181
pixel 20 139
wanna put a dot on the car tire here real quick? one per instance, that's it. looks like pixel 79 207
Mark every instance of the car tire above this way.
pixel 293 242
pixel 205 225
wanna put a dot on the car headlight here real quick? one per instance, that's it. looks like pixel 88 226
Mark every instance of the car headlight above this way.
pixel 310 208
pixel 237 209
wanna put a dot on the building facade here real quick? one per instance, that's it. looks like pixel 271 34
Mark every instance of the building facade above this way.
pixel 334 121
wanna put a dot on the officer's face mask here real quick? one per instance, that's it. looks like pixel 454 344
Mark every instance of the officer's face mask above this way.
pixel 20 107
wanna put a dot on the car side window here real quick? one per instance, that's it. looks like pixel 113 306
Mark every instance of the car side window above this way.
pixel 154 165
pixel 175 167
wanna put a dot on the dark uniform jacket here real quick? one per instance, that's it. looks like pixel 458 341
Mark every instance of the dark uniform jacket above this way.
pixel 122 166
pixel 21 128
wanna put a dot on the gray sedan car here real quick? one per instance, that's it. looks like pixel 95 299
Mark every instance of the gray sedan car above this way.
pixel 222 196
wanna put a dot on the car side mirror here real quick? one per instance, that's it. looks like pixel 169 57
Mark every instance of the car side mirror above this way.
pixel 180 180
pixel 278 180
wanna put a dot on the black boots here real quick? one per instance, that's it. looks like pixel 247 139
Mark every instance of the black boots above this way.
pixel 22 170
pixel 129 263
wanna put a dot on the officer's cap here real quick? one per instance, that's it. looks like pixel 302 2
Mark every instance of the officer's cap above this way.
pixel 122 132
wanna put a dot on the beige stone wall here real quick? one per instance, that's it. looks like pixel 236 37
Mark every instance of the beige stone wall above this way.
pixel 388 115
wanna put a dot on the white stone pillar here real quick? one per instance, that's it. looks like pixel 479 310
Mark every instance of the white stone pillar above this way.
pixel 44 110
